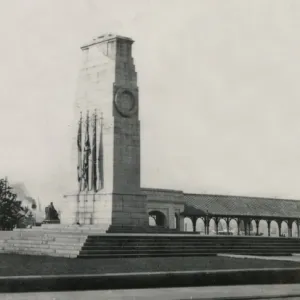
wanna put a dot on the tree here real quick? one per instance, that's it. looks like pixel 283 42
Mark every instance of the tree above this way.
pixel 11 210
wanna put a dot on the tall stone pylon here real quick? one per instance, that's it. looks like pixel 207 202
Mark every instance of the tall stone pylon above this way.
pixel 108 85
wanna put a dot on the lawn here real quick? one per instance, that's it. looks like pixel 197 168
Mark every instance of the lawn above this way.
pixel 13 264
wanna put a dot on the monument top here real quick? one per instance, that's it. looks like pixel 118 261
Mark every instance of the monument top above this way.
pixel 105 38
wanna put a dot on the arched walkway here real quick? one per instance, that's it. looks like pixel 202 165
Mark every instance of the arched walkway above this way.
pixel 200 226
pixel 274 229
pixel 152 221
pixel 233 227
pixel 188 224
pixel 284 229
pixel 294 229
pixel 222 226
pixel 159 218
pixel 263 228
pixel 212 227
pixel 253 228
pixel 242 227
pixel 176 221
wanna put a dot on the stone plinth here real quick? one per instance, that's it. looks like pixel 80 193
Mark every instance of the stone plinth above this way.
pixel 51 222
pixel 104 210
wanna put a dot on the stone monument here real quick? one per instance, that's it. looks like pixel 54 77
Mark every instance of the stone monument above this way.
pixel 108 194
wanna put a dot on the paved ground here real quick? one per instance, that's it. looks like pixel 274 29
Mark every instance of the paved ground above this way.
pixel 295 258
pixel 14 265
pixel 229 292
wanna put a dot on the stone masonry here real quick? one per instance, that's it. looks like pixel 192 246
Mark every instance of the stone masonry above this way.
pixel 108 84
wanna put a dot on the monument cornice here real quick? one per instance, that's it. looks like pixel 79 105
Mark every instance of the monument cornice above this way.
pixel 106 38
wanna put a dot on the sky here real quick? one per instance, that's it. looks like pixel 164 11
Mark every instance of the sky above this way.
pixel 219 92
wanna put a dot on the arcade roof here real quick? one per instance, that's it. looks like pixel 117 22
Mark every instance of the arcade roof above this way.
pixel 197 204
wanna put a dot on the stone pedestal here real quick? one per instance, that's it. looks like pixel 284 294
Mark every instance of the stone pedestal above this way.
pixel 51 222
pixel 105 210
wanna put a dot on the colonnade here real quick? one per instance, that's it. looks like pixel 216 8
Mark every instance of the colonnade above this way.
pixel 244 224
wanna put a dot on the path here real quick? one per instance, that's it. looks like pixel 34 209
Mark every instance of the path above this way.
pixel 168 294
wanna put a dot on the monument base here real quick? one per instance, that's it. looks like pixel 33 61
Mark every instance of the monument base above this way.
pixel 51 222
pixel 127 229
pixel 141 229
pixel 107 210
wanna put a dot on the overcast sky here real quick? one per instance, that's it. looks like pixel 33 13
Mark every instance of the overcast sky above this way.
pixel 219 91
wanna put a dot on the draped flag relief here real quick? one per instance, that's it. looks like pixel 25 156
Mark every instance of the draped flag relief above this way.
pixel 79 150
pixel 94 155
pixel 100 157
pixel 87 153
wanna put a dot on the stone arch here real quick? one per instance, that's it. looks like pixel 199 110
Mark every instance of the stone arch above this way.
pixel 200 226
pixel 274 228
pixel 188 224
pixel 159 218
pixel 242 227
pixel 176 221
pixel 222 226
pixel 233 226
pixel 212 227
pixel 263 228
pixel 252 227
pixel 284 229
pixel 152 221
pixel 294 229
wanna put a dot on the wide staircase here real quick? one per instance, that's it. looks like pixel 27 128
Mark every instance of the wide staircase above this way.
pixel 48 240
pixel 138 245
pixel 93 242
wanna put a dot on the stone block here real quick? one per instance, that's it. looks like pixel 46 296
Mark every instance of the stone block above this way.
pixel 66 247
pixel 72 255
pixel 67 251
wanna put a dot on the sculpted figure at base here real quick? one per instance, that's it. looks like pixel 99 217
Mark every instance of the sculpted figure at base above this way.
pixel 51 214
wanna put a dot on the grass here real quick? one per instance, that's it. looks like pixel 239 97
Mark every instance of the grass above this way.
pixel 14 264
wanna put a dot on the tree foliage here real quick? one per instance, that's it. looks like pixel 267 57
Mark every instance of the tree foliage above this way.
pixel 11 210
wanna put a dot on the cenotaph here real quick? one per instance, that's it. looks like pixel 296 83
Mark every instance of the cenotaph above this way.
pixel 106 151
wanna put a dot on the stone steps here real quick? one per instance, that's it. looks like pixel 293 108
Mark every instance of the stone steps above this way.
pixel 72 253
pixel 164 238
pixel 198 251
pixel 39 242
pixel 175 236
pixel 48 252
pixel 41 246
pixel 73 243
pixel 52 240
pixel 177 254
pixel 118 243
pixel 134 255
pixel 167 246
pixel 187 245
pixel 174 245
